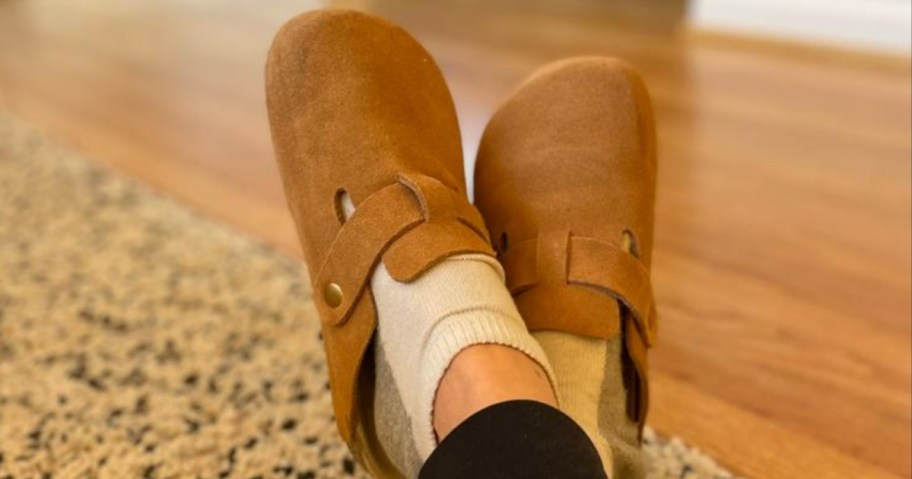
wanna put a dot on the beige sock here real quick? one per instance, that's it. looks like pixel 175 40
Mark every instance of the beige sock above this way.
pixel 591 391
pixel 424 324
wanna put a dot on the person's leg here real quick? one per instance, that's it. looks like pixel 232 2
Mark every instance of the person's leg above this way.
pixel 515 439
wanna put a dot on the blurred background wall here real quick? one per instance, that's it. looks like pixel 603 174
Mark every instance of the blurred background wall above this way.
pixel 876 25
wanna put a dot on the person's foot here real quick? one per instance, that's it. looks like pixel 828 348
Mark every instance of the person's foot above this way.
pixel 370 155
pixel 565 180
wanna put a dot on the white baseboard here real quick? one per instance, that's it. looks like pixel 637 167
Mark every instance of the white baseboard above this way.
pixel 878 25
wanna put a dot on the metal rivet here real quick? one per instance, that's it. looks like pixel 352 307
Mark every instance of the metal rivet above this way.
pixel 332 295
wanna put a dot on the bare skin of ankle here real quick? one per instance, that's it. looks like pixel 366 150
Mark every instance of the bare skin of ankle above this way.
pixel 483 375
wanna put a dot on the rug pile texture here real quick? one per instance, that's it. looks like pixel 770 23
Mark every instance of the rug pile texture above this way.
pixel 141 340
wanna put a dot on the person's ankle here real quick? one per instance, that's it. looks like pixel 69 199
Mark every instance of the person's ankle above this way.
pixel 486 374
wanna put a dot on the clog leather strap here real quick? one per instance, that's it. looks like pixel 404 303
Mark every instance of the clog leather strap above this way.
pixel 558 257
pixel 379 221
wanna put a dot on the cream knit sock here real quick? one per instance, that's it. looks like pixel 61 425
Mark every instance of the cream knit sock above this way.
pixel 424 324
pixel 591 391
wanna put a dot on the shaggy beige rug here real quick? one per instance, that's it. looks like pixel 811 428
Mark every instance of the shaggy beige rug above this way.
pixel 140 340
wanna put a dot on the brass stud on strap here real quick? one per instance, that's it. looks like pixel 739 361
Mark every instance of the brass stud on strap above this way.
pixel 332 295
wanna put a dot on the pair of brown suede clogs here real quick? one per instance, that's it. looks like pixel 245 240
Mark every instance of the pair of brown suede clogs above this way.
pixel 565 184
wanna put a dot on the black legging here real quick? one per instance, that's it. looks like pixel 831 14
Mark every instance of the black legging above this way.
pixel 515 439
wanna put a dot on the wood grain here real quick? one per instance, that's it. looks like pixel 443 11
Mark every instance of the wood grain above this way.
pixel 784 220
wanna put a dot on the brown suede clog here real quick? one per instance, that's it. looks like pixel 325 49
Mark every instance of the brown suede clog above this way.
pixel 565 181
pixel 357 107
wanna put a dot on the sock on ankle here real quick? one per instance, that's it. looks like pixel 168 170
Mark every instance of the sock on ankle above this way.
pixel 423 325
pixel 591 390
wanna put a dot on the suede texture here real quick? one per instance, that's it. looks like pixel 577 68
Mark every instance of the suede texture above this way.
pixel 357 106
pixel 565 180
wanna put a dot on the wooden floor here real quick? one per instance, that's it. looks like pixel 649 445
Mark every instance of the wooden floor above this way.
pixel 783 249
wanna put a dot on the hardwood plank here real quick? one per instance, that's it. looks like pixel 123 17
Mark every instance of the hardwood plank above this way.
pixel 765 448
